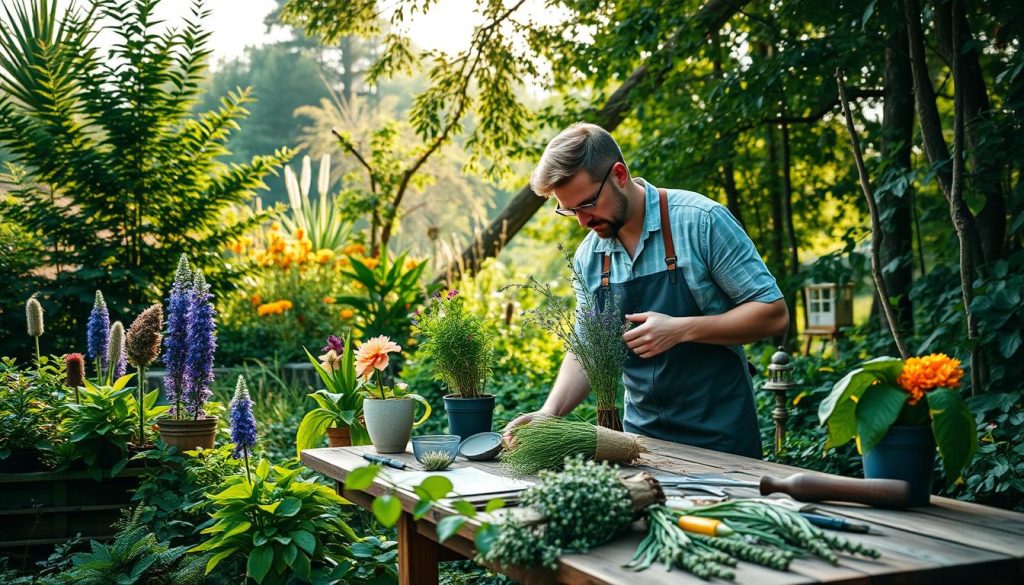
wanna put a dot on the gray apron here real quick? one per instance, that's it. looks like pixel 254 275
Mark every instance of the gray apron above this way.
pixel 695 393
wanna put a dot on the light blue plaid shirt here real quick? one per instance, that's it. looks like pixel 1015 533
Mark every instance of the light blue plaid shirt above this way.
pixel 721 265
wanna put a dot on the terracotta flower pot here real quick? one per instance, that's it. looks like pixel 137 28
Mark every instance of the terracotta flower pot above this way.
pixel 337 437
pixel 188 434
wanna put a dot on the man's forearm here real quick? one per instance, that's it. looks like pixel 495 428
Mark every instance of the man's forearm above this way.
pixel 569 389
pixel 746 323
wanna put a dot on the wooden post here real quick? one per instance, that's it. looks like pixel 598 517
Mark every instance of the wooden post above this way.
pixel 417 554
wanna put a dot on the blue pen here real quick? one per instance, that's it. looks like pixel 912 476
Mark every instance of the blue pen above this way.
pixel 393 463
pixel 835 523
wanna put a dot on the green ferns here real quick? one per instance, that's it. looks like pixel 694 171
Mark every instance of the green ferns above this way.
pixel 135 557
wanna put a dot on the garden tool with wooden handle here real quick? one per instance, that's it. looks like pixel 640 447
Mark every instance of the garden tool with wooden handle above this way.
pixel 806 487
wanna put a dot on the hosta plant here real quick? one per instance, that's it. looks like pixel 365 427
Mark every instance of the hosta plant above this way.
pixel 285 525
pixel 339 403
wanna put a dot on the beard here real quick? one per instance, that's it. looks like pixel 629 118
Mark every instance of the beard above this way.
pixel 609 228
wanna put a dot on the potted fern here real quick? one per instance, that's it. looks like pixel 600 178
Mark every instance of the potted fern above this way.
pixel 339 403
pixel 460 348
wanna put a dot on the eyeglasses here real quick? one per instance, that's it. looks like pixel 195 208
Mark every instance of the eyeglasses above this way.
pixel 589 203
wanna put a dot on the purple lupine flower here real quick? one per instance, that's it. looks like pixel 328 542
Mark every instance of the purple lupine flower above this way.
pixel 334 342
pixel 98 333
pixel 175 342
pixel 243 423
pixel 201 342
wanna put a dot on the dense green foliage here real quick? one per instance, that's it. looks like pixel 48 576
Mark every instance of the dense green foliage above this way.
pixel 113 175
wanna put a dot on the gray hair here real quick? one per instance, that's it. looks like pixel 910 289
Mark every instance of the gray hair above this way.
pixel 580 147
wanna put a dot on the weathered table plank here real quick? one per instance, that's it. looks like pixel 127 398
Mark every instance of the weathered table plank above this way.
pixel 950 541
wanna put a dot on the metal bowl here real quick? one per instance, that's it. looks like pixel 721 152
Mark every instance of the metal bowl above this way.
pixel 481 446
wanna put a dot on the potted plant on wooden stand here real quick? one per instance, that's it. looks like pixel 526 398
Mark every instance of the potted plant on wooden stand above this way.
pixel 460 349
pixel 339 404
pixel 388 409
pixel 898 411
pixel 189 346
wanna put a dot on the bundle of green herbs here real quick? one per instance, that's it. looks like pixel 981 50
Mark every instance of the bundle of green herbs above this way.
pixel 759 533
pixel 592 333
pixel 546 443
pixel 581 507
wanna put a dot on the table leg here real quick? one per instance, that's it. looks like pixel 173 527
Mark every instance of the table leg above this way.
pixel 417 554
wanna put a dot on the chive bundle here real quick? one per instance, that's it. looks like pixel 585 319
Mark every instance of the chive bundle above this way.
pixel 546 444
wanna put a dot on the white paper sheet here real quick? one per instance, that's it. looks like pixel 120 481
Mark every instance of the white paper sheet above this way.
pixel 466 481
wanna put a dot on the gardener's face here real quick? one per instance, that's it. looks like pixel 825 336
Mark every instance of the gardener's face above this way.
pixel 598 205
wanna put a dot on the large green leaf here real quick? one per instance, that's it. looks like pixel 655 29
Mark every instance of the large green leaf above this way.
pixel 261 559
pixel 876 411
pixel 361 477
pixel 448 526
pixel 955 433
pixel 842 425
pixel 387 509
pixel 436 487
pixel 852 384
pixel 312 428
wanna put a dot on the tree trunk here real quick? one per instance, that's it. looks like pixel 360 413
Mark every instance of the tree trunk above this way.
pixel 931 125
pixel 710 18
pixel 986 160
pixel 348 74
pixel 895 207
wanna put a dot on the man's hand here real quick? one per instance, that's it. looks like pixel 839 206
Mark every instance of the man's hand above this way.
pixel 506 433
pixel 655 334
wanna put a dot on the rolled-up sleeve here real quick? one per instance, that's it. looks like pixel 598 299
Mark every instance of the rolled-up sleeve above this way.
pixel 733 260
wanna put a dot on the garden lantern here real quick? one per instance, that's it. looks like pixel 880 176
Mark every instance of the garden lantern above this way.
pixel 780 381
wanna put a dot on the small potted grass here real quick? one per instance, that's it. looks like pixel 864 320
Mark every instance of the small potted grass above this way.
pixel 460 348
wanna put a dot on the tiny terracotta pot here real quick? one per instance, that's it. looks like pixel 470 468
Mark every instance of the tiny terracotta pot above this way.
pixel 337 437
pixel 188 434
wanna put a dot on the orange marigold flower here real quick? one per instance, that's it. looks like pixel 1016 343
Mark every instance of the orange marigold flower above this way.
pixel 371 263
pixel 324 255
pixel 924 374
pixel 410 264
pixel 256 300
pixel 328 300
pixel 300 233
pixel 373 354
pixel 346 314
pixel 266 309
pixel 285 305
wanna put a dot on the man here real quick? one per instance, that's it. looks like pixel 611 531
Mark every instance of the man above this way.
pixel 688 278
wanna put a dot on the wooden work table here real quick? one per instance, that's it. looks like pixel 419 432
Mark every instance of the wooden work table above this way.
pixel 947 542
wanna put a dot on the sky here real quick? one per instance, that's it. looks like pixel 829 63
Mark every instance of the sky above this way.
pixel 237 24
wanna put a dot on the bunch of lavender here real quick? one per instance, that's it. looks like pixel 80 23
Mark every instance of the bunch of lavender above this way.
pixel 175 342
pixel 243 423
pixel 98 335
pixel 591 333
pixel 201 342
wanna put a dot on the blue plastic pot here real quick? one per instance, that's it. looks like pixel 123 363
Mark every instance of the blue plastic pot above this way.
pixel 907 453
pixel 469 416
